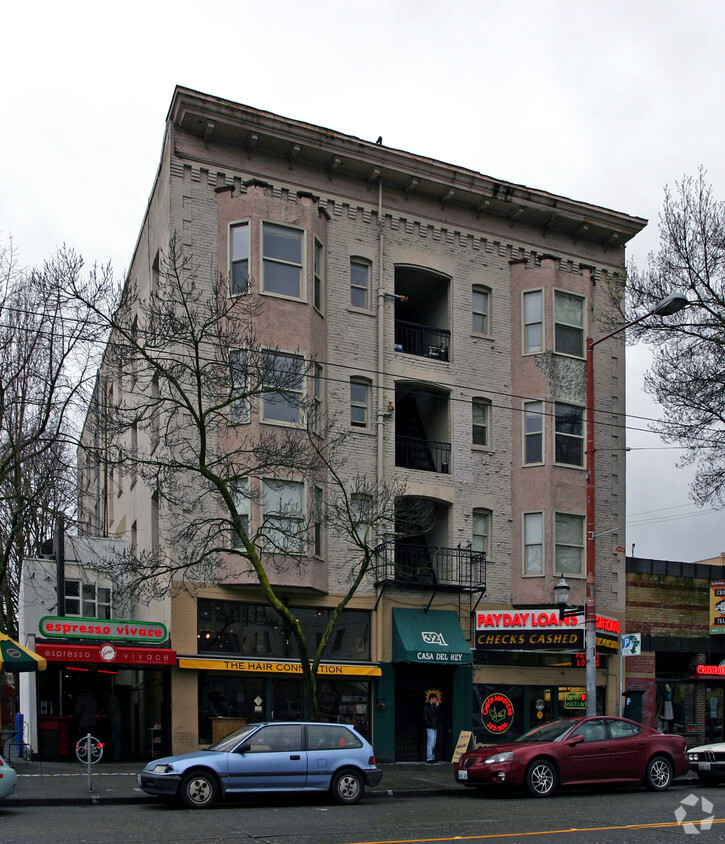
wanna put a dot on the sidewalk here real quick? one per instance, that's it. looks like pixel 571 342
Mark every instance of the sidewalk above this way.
pixel 66 783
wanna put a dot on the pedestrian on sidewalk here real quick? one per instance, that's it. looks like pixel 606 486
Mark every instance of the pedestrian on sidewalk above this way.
pixel 115 720
pixel 86 713
pixel 431 719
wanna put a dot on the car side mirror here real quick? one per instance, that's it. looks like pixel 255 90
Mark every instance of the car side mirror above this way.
pixel 577 739
pixel 244 748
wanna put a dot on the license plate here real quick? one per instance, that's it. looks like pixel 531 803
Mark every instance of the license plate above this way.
pixel 703 766
pixel 463 775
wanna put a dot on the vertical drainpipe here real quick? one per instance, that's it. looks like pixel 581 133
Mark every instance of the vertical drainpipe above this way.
pixel 379 397
pixel 380 375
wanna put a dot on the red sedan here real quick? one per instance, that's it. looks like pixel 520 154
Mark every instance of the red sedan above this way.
pixel 578 751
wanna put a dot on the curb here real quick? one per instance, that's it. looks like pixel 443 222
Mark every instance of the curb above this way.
pixel 98 799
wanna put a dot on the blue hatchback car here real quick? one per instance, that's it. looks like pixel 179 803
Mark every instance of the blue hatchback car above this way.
pixel 277 756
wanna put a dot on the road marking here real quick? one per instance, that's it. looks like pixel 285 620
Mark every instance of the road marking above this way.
pixel 543 832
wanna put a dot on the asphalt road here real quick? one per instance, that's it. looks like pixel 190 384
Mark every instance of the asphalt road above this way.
pixel 615 815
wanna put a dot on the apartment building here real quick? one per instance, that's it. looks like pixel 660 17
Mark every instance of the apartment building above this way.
pixel 448 311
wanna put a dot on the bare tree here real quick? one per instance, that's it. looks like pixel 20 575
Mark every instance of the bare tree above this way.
pixel 45 359
pixel 688 373
pixel 187 374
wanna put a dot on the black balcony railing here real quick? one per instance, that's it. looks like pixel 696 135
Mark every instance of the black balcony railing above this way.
pixel 428 455
pixel 415 565
pixel 422 340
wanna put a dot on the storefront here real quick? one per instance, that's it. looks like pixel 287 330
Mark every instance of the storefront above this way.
pixel 429 654
pixel 530 668
pixel 233 692
pixel 677 608
pixel 129 686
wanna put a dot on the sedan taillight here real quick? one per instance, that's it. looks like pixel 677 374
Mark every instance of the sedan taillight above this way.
pixel 371 760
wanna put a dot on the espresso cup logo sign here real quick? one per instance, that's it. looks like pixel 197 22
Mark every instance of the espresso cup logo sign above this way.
pixel 431 638
pixel 497 713
pixel 108 653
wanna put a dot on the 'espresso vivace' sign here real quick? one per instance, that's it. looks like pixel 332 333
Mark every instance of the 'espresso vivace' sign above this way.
pixel 57 627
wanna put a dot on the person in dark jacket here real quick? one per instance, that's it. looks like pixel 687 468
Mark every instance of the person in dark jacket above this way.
pixel 431 719
pixel 86 713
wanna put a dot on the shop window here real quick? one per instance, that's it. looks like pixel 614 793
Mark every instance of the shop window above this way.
pixel 226 702
pixel 568 324
pixel 263 632
pixel 257 630
pixel 533 321
pixel 533 543
pixel 282 264
pixel 569 434
pixel 533 432
pixel 569 544
pixel 218 626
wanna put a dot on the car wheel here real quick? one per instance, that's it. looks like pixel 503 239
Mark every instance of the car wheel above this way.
pixel 541 778
pixel 199 790
pixel 347 786
pixel 659 774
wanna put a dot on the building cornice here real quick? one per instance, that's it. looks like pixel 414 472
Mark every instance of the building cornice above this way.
pixel 219 121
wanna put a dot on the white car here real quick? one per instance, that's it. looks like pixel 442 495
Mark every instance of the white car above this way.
pixel 708 762
pixel 8 778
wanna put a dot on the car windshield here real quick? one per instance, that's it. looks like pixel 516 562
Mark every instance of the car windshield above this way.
pixel 230 741
pixel 549 732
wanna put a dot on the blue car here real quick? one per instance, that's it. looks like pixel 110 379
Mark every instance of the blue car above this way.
pixel 277 756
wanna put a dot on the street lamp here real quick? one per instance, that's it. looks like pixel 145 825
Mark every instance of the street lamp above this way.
pixel 665 307
pixel 561 599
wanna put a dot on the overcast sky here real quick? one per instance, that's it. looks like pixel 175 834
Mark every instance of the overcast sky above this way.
pixel 600 102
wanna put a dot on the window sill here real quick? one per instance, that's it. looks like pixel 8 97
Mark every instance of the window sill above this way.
pixel 581 357
pixel 477 335
pixel 282 296
pixel 281 424
pixel 483 449
pixel 366 311
pixel 569 466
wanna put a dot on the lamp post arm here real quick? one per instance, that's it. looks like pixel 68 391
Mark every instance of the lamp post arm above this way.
pixel 669 305
pixel 590 617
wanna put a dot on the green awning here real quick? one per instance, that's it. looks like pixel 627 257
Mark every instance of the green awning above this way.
pixel 433 637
